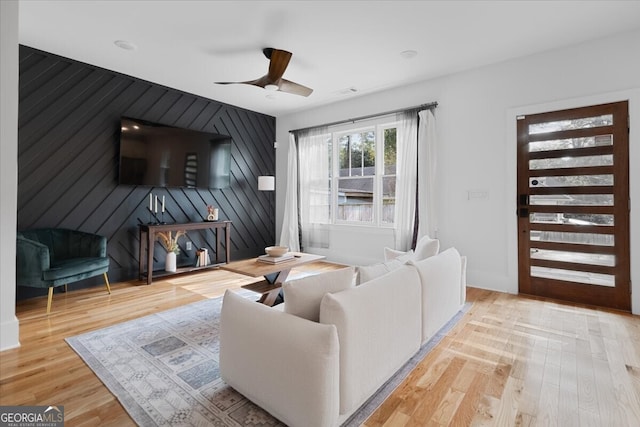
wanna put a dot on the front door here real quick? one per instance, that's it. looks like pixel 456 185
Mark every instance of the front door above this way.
pixel 573 205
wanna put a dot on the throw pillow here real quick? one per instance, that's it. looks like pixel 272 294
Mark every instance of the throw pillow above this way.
pixel 370 272
pixel 425 248
pixel 391 254
pixel 302 297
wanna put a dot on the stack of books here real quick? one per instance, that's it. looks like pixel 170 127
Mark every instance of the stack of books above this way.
pixel 275 259
pixel 202 257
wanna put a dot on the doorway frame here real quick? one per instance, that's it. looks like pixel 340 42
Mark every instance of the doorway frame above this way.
pixel 511 134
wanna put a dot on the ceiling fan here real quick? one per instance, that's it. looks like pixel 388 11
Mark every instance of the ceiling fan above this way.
pixel 279 59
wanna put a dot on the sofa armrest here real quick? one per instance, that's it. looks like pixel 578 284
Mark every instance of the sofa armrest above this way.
pixel 32 259
pixel 287 365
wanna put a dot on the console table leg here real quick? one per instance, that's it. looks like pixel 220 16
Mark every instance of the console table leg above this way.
pixel 150 240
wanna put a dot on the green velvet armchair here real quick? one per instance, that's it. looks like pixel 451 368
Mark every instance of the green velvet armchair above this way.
pixel 51 257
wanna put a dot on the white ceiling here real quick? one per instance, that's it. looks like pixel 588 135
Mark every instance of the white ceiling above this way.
pixel 336 45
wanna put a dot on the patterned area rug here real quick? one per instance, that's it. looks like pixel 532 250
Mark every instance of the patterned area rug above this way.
pixel 163 368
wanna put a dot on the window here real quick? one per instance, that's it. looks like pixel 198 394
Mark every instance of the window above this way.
pixel 363 176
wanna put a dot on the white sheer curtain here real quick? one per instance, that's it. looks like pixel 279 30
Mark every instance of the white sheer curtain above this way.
pixel 315 190
pixel 406 178
pixel 290 235
pixel 427 218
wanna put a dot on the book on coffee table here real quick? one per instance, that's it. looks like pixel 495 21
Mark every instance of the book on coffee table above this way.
pixel 275 259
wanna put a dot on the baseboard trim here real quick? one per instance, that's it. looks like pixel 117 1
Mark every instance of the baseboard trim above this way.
pixel 9 334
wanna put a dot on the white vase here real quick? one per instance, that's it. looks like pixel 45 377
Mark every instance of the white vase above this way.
pixel 170 263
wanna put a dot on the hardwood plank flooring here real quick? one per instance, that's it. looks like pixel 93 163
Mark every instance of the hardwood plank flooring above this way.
pixel 511 361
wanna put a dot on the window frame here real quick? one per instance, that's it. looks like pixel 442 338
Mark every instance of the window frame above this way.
pixel 378 126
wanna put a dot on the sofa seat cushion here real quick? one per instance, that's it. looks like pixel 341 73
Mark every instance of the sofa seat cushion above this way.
pixel 302 297
pixel 75 267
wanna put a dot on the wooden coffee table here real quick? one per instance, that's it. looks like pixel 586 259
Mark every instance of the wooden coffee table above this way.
pixel 274 274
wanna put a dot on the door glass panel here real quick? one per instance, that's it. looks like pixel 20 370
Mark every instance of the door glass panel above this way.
pixel 572 199
pixel 578 257
pixel 571 162
pixel 581 123
pixel 566 237
pixel 566 218
pixel 570 181
pixel 574 276
pixel 569 143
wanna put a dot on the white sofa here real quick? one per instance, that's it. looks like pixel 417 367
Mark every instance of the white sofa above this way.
pixel 308 373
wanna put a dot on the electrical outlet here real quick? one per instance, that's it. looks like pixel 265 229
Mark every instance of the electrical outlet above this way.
pixel 189 246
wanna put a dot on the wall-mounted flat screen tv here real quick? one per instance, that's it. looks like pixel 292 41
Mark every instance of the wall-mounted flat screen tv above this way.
pixel 157 155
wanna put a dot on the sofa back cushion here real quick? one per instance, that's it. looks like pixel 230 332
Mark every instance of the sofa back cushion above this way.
pixel 302 297
pixel 440 277
pixel 379 329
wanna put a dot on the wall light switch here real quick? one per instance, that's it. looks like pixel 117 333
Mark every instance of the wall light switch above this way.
pixel 477 194
pixel 189 246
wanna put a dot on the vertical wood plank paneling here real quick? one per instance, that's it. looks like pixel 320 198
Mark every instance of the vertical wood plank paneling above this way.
pixel 68 138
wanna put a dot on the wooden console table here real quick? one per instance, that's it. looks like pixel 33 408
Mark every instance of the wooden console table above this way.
pixel 148 238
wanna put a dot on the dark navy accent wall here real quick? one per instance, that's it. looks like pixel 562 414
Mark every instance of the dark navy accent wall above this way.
pixel 68 139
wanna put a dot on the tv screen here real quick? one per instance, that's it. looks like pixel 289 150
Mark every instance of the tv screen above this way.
pixel 157 155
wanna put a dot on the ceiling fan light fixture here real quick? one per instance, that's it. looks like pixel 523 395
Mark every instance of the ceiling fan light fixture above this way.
pixel 126 45
pixel 271 87
pixel 408 54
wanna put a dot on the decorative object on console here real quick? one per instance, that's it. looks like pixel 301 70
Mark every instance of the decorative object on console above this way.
pixel 266 183
pixel 170 243
pixel 153 209
pixel 212 213
pixel 170 263
pixel 202 257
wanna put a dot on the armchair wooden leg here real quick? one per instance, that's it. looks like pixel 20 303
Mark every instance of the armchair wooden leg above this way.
pixel 65 288
pixel 106 282
pixel 49 300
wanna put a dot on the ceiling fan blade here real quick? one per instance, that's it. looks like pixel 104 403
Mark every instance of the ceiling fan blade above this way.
pixel 294 88
pixel 279 62
pixel 261 82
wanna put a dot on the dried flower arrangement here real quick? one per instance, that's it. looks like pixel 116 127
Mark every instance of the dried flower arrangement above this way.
pixel 170 243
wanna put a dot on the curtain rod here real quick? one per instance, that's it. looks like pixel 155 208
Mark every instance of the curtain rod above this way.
pixel 357 119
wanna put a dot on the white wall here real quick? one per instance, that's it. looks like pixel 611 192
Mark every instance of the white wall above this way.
pixel 8 171
pixel 476 148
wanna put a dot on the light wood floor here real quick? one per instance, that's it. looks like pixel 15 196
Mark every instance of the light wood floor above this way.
pixel 510 361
